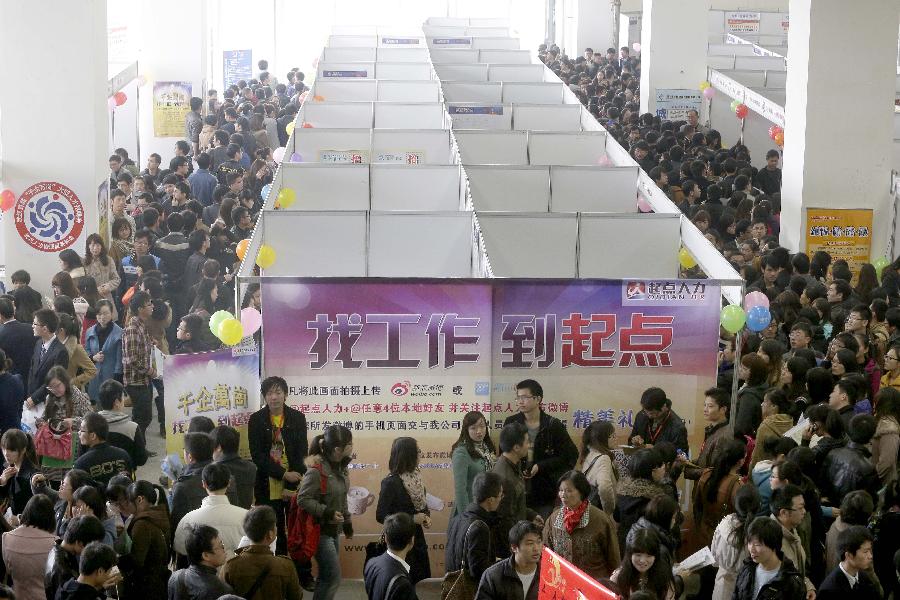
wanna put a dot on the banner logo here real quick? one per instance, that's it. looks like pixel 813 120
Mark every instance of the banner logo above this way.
pixel 401 388
pixel 49 216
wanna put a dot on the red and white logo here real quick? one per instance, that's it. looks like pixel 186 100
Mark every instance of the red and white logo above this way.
pixel 49 216
pixel 401 388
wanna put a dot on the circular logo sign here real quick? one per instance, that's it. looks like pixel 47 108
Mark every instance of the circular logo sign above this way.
pixel 49 216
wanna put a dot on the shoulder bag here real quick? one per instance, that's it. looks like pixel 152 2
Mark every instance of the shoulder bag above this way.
pixel 459 585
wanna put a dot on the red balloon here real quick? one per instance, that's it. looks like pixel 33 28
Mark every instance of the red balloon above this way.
pixel 120 98
pixel 774 130
pixel 741 111
pixel 7 199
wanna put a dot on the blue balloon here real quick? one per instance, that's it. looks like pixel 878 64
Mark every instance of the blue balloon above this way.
pixel 758 318
pixel 265 190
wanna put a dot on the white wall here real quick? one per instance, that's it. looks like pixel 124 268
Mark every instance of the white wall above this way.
pixel 760 5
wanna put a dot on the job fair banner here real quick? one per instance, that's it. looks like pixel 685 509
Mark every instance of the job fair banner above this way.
pixel 171 104
pixel 222 385
pixel 411 357
pixel 842 233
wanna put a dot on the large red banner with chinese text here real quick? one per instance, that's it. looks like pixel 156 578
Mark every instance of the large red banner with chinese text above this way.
pixel 561 580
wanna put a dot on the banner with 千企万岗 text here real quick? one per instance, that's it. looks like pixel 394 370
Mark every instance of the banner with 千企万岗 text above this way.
pixel 561 580
pixel 222 385
pixel 394 358
pixel 841 232
pixel 171 104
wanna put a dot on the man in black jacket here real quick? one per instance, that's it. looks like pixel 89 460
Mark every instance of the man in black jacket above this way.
pixel 28 300
pixel 101 460
pixel 850 468
pixel 226 441
pixel 764 538
pixel 849 580
pixel 518 576
pixel 278 446
pixel 387 576
pixel 657 422
pixel 188 492
pixel 123 432
pixel 469 538
pixel 553 452
pixel 16 339
pixel 48 352
pixel 173 250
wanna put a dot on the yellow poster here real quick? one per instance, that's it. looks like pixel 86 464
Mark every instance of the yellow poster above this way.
pixel 842 233
pixel 171 104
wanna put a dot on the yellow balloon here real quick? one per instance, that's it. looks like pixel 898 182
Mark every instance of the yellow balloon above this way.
pixel 289 128
pixel 686 259
pixel 231 332
pixel 705 85
pixel 266 257
pixel 286 197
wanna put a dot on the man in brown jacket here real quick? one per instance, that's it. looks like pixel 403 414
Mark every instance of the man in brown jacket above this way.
pixel 255 572
pixel 716 406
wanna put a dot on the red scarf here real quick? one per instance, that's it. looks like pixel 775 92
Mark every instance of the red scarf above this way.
pixel 572 516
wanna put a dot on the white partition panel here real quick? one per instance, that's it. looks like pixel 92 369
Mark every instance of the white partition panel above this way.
pixel 549 249
pixel 507 57
pixel 440 56
pixel 310 244
pixel 390 90
pixel 730 50
pixel 532 93
pixel 489 22
pixel 492 147
pixel 420 244
pixel 495 43
pixel 608 249
pixel 747 78
pixel 347 115
pixel 390 40
pixel 346 70
pixel 585 148
pixel 777 79
pixel 473 91
pixel 488 32
pixel 516 73
pixel 345 90
pixel 473 72
pixel 538 117
pixel 720 62
pixel 442 31
pixel 393 115
pixel 594 189
pixel 760 63
pixel 448 40
pixel 348 54
pixel 412 146
pixel 466 115
pixel 327 187
pixel 447 22
pixel 400 54
pixel 406 71
pixel 509 188
pixel 333 145
pixel 416 188
pixel 353 41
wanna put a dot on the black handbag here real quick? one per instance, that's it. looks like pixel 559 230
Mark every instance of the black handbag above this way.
pixel 375 549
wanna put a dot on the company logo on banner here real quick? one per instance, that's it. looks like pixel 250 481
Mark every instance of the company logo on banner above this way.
pixel 561 580
pixel 49 216
pixel 673 292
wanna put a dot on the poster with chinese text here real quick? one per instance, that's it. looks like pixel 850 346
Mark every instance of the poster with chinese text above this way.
pixel 842 233
pixel 171 104
pixel 237 65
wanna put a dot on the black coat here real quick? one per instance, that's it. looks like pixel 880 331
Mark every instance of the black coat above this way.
pixel 848 469
pixel 673 430
pixel 478 548
pixel 17 341
pixel 259 435
pixel 787 585
pixel 501 582
pixel 378 574
pixel 244 474
pixel 748 412
pixel 35 387
pixel 103 462
pixel 554 453
pixel 188 492
pixel 836 586
pixel 18 489
pixel 393 499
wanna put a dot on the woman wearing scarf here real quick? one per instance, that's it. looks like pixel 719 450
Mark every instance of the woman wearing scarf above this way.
pixel 580 532
pixel 404 491
pixel 472 453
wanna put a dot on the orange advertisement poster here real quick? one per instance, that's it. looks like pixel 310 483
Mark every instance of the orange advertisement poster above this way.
pixel 841 232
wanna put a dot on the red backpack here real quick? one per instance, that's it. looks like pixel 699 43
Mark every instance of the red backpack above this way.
pixel 303 530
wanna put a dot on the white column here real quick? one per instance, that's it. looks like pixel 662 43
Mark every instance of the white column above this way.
pixel 839 113
pixel 673 47
pixel 55 129
pixel 595 27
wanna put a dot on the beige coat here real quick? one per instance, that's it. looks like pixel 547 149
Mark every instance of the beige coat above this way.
pixel 792 548
pixel 772 426
pixel 885 444
pixel 728 557
pixel 104 275
pixel 603 476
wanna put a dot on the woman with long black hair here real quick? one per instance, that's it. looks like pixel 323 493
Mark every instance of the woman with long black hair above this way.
pixel 645 568
pixel 729 541
pixel 471 454
pixel 145 567
pixel 596 461
pixel 716 490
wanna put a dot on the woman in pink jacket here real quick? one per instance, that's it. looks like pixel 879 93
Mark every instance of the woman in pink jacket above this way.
pixel 26 547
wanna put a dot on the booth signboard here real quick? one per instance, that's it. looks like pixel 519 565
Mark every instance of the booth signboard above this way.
pixel 237 65
pixel 400 41
pixel 742 22
pixel 843 233
pixel 408 157
pixel 348 157
pixel 363 73
pixel 785 22
pixel 222 385
pixel 411 357
pixel 459 41
pixel 674 105
pixel 561 580
pixel 171 104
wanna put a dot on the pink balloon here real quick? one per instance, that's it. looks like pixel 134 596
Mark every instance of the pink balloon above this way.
pixel 251 320
pixel 278 154
pixel 643 205
pixel 636 46
pixel 755 299
pixel 709 92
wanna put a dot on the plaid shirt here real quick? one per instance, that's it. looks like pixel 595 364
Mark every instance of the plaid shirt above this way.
pixel 137 353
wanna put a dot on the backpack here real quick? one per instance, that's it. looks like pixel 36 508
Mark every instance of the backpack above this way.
pixel 303 531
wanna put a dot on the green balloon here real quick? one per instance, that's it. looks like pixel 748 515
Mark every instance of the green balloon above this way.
pixel 733 318
pixel 216 319
pixel 880 263
pixel 735 104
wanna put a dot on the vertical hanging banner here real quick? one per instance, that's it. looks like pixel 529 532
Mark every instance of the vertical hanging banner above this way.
pixel 411 357
pixel 561 580
pixel 237 65
pixel 171 104
pixel 217 385
pixel 842 233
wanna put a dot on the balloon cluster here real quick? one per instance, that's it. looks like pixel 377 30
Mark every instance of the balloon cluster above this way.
pixel 286 198
pixel 265 258
pixel 708 90
pixel 755 314
pixel 879 263
pixel 7 199
pixel 230 330
pixel 777 134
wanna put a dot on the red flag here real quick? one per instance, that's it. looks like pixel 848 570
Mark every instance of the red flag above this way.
pixel 561 580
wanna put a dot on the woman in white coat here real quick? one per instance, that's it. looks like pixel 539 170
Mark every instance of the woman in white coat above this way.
pixel 729 542
pixel 596 462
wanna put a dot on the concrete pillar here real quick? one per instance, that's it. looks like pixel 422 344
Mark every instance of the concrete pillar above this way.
pixel 54 128
pixel 673 47
pixel 839 113
pixel 595 27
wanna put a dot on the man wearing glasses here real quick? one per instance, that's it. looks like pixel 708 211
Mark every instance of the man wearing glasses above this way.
pixel 789 508
pixel 552 450
pixel 891 377
pixel 137 362
pixel 48 352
